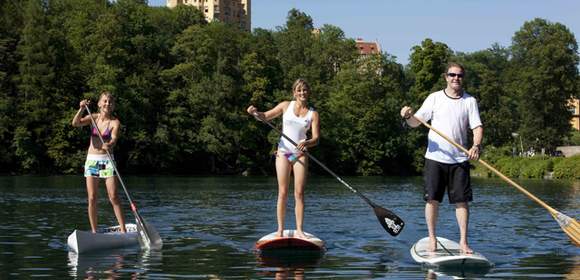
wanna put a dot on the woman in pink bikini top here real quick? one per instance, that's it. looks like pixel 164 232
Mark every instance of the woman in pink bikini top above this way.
pixel 98 164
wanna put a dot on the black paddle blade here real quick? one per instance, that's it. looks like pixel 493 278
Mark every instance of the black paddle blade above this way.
pixel 390 222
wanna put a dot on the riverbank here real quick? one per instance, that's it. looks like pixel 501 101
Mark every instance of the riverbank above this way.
pixel 532 167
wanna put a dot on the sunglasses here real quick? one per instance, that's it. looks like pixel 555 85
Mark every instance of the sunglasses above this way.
pixel 453 75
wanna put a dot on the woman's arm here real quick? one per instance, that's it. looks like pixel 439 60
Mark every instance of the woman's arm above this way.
pixel 270 114
pixel 79 121
pixel 115 132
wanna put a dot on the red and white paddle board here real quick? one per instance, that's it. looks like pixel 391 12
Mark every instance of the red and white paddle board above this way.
pixel 289 242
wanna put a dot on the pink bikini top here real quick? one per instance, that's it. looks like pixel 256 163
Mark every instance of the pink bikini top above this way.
pixel 106 134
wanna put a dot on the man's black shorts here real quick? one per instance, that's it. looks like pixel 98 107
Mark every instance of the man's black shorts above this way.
pixel 454 177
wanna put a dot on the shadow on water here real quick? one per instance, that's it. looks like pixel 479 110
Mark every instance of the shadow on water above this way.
pixel 287 264
pixel 456 272
pixel 126 263
pixel 289 258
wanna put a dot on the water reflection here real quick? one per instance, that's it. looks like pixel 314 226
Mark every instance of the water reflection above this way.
pixel 211 224
pixel 288 264
pixel 457 273
pixel 112 264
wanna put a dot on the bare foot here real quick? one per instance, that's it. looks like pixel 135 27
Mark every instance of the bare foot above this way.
pixel 465 249
pixel 432 245
pixel 123 229
pixel 279 234
pixel 300 234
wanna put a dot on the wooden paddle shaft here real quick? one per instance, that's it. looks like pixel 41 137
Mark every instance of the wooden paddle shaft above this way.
pixel 520 188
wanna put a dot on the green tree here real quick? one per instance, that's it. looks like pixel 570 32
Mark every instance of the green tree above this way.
pixel 203 112
pixel 426 67
pixel 486 77
pixel 363 107
pixel 294 43
pixel 35 88
pixel 10 28
pixel 545 71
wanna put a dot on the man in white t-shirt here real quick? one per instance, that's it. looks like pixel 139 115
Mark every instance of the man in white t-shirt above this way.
pixel 451 111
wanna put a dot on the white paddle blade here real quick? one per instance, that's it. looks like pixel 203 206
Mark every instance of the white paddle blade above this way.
pixel 148 236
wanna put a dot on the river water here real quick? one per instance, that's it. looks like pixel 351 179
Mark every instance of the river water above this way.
pixel 210 224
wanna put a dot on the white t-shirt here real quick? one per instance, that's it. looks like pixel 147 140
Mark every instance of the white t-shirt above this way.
pixel 453 117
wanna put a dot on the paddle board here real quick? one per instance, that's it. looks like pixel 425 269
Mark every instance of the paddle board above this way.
pixel 289 242
pixel 84 241
pixel 448 254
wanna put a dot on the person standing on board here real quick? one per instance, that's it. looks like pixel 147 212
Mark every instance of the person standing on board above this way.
pixel 98 165
pixel 297 119
pixel 451 111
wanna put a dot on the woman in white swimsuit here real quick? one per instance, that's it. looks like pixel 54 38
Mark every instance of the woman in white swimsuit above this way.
pixel 297 119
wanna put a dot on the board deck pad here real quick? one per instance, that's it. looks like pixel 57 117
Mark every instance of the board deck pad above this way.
pixel 448 254
pixel 289 242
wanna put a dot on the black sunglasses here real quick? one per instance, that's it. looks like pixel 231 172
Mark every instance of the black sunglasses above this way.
pixel 452 75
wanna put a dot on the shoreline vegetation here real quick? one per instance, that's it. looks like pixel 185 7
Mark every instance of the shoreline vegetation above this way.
pixel 538 167
pixel 182 85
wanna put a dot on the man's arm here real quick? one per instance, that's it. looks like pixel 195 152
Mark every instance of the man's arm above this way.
pixel 475 150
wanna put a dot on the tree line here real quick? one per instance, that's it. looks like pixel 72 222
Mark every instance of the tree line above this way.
pixel 182 86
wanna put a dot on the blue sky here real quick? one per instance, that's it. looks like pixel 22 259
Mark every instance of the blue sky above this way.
pixel 398 25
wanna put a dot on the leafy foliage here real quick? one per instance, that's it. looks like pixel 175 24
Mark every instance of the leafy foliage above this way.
pixel 182 86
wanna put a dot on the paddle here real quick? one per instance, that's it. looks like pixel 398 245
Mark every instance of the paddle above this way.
pixel 570 226
pixel 148 237
pixel 390 222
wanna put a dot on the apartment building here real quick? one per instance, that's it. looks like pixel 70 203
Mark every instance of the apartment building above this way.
pixel 575 110
pixel 236 12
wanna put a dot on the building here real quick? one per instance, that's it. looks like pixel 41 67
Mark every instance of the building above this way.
pixel 575 110
pixel 367 48
pixel 236 12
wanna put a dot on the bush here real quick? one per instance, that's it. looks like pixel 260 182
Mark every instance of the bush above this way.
pixel 567 168
pixel 534 167
pixel 509 166
pixel 573 139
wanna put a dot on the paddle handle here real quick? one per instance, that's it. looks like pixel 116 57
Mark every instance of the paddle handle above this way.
pixel 510 181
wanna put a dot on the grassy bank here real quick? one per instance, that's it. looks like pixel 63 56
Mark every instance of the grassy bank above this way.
pixel 531 167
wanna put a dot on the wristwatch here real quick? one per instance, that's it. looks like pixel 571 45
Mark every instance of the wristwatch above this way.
pixel 478 146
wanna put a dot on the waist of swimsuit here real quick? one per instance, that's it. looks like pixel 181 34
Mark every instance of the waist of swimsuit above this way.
pixel 98 157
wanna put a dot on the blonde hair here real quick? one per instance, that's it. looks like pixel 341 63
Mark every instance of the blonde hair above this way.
pixel 107 94
pixel 300 82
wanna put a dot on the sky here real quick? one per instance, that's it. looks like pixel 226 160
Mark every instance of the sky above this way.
pixel 398 25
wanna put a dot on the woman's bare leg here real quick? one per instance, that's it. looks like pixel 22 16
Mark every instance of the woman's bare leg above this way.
pixel 92 194
pixel 283 175
pixel 114 198
pixel 300 168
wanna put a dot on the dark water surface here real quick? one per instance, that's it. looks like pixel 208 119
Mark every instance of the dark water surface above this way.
pixel 209 226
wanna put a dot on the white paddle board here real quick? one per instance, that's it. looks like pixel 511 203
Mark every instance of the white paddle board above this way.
pixel 448 254
pixel 290 242
pixel 84 241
